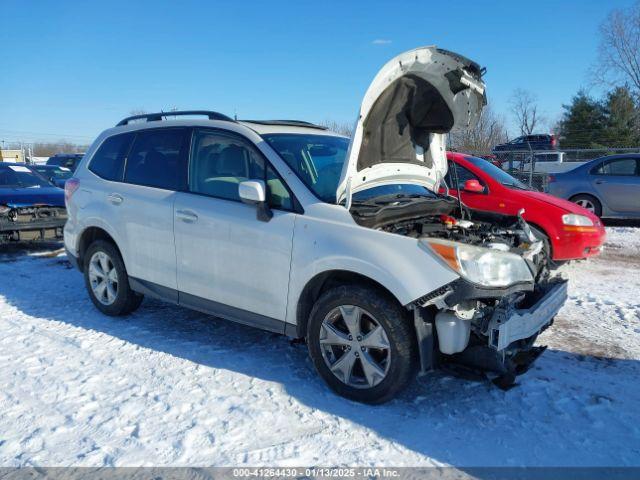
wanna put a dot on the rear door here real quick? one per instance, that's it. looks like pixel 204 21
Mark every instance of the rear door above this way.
pixel 229 262
pixel 155 169
pixel 617 183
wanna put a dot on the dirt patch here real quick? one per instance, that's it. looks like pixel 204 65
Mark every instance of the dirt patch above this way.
pixel 567 336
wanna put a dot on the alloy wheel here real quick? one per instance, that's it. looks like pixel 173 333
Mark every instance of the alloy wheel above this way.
pixel 588 204
pixel 355 346
pixel 103 278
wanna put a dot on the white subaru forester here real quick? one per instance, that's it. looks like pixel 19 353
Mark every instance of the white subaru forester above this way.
pixel 352 244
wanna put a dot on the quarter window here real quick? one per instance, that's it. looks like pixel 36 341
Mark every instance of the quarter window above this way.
pixel 219 162
pixel 155 159
pixel 108 161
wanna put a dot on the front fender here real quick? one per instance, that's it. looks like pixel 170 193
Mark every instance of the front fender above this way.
pixel 401 264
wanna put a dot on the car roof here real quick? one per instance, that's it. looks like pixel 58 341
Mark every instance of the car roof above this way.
pixel 259 127
pixel 618 155
pixel 299 128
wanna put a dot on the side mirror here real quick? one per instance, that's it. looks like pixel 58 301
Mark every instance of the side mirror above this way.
pixel 473 186
pixel 254 192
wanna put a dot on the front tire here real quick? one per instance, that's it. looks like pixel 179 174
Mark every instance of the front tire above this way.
pixel 362 344
pixel 107 282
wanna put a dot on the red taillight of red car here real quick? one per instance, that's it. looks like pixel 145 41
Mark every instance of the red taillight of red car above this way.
pixel 70 187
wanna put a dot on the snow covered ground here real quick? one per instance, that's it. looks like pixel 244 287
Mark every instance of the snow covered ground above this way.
pixel 167 386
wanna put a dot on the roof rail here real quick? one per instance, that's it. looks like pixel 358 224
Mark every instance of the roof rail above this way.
pixel 155 117
pixel 288 123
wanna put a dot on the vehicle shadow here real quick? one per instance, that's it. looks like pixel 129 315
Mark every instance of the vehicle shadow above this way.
pixel 586 405
pixel 614 222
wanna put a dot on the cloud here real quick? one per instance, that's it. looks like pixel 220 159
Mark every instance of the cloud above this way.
pixel 381 41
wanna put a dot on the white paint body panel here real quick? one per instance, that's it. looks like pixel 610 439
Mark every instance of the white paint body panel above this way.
pixel 230 257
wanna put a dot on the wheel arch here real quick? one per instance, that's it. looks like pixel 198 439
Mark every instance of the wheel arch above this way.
pixel 322 282
pixel 545 232
pixel 90 235
pixel 588 194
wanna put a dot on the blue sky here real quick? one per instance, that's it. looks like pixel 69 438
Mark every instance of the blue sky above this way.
pixel 72 69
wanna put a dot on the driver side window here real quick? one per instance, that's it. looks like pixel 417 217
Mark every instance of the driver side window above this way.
pixel 219 162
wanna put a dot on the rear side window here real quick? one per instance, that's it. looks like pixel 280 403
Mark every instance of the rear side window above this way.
pixel 620 167
pixel 108 161
pixel 157 159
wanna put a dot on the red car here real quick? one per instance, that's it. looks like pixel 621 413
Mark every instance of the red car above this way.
pixel 570 232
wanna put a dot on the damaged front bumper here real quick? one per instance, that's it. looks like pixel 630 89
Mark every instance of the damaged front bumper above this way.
pixel 32 223
pixel 502 342
pixel 501 334
pixel 509 324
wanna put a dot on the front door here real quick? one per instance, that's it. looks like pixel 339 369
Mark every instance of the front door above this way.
pixel 229 262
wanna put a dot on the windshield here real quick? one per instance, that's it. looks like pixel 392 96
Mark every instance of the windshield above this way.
pixel 497 173
pixel 21 177
pixel 316 159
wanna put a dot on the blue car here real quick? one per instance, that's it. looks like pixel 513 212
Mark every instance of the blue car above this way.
pixel 607 186
pixel 31 208
pixel 55 174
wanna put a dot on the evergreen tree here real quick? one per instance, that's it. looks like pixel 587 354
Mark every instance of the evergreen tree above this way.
pixel 583 123
pixel 621 119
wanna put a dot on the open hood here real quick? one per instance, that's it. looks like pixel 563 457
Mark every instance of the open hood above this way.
pixel 412 103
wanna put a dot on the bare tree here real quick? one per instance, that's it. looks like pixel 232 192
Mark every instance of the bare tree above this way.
pixel 524 107
pixel 46 149
pixel 489 131
pixel 343 128
pixel 619 50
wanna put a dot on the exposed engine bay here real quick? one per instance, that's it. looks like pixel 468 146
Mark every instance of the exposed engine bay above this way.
pixel 472 326
pixel 443 217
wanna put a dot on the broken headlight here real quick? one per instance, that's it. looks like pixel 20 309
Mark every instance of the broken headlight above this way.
pixel 483 266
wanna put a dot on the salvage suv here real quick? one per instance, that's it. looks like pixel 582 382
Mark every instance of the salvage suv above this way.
pixel 293 229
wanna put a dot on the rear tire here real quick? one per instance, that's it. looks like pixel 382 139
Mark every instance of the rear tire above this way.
pixel 106 280
pixel 589 202
pixel 362 344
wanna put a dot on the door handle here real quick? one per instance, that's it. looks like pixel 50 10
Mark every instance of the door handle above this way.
pixel 115 198
pixel 187 216
pixel 599 182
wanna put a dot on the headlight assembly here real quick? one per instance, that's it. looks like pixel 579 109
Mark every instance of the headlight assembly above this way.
pixel 482 266
pixel 576 220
